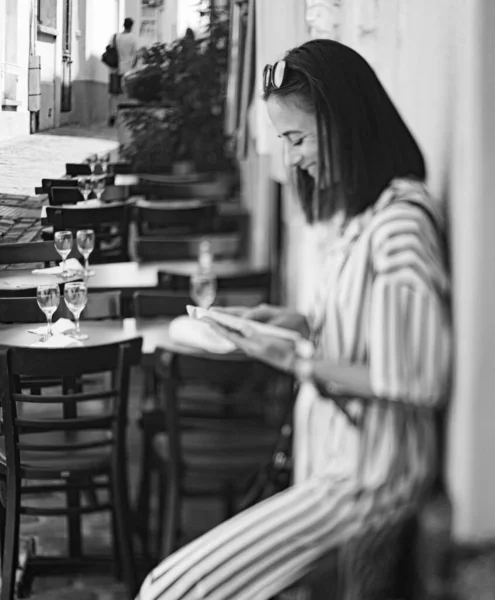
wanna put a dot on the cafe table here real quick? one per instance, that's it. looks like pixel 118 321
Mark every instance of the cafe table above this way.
pixel 126 277
pixel 155 333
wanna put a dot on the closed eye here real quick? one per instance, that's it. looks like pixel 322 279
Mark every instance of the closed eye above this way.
pixel 298 142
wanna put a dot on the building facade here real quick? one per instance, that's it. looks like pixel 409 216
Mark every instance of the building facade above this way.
pixel 51 72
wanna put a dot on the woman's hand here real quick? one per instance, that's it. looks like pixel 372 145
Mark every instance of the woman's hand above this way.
pixel 278 353
pixel 274 315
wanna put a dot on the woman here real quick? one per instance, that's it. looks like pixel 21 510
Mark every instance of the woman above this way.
pixel 380 327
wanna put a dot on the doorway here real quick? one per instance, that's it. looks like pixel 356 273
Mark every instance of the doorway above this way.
pixel 66 84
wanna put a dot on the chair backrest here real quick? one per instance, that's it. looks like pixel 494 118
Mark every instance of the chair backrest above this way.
pixel 115 193
pixel 159 304
pixel 242 383
pixel 260 281
pixel 47 184
pixel 109 222
pixel 187 216
pixel 104 305
pixel 120 168
pixel 75 169
pixel 32 252
pixel 67 364
pixel 187 247
pixel 172 304
pixel 214 190
pixel 64 195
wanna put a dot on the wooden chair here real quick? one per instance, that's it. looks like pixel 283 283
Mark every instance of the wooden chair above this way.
pixel 120 168
pixel 249 282
pixel 109 222
pixel 187 247
pixel 60 196
pixel 75 169
pixel 105 305
pixel 30 253
pixel 210 447
pixel 217 190
pixel 67 453
pixel 188 216
pixel 47 184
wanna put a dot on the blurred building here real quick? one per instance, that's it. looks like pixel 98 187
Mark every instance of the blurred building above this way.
pixel 50 68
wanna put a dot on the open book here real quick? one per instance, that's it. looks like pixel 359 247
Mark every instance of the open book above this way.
pixel 241 325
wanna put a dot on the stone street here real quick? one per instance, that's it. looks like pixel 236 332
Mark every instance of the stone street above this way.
pixel 25 161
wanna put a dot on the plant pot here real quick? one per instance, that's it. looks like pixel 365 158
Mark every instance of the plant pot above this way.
pixel 143 83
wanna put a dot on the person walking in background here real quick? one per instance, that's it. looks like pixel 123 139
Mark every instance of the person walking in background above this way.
pixel 126 46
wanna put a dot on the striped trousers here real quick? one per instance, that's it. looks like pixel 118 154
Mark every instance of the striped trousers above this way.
pixel 270 546
pixel 266 548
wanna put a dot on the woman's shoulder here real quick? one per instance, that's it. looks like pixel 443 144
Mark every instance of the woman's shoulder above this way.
pixel 407 228
pixel 406 207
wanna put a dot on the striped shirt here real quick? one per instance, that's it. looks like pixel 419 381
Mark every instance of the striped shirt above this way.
pixel 383 303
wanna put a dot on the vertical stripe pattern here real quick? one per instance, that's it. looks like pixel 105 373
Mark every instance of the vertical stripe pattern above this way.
pixel 383 303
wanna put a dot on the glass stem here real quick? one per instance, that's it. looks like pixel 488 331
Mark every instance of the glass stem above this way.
pixel 86 265
pixel 76 318
pixel 63 266
pixel 49 326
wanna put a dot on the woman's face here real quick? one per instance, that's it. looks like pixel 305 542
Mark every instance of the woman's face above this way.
pixel 297 128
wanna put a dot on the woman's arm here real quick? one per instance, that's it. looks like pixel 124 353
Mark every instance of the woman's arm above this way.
pixel 347 379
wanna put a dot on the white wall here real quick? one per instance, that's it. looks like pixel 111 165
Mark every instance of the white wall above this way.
pixel 436 60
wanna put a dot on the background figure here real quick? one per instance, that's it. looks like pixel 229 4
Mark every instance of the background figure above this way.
pixel 127 51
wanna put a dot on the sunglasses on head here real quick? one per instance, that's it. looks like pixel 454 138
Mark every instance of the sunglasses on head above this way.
pixel 273 75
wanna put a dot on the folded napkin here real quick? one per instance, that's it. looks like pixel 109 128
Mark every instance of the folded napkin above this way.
pixel 58 340
pixel 191 332
pixel 60 326
pixel 71 264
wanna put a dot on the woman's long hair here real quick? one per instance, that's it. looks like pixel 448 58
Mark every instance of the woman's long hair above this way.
pixel 359 128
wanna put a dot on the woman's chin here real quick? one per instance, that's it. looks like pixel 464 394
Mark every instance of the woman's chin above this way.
pixel 312 171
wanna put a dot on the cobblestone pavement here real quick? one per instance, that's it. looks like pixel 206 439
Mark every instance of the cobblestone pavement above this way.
pixel 25 160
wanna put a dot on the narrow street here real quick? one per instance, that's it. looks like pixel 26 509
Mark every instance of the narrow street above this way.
pixel 26 160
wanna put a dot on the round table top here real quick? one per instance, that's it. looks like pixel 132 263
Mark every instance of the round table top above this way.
pixel 155 334
pixel 121 276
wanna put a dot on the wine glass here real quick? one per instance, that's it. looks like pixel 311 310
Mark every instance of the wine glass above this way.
pixel 63 241
pixel 203 288
pixel 84 185
pixel 99 186
pixel 85 239
pixel 104 160
pixel 48 297
pixel 76 297
pixel 92 161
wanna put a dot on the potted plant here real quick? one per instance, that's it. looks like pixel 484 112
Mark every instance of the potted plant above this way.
pixel 184 83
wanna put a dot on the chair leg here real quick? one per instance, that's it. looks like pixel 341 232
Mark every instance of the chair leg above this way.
pixel 124 527
pixel 117 557
pixel 74 522
pixel 142 510
pixel 11 541
pixel 160 512
pixel 171 517
pixel 3 520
